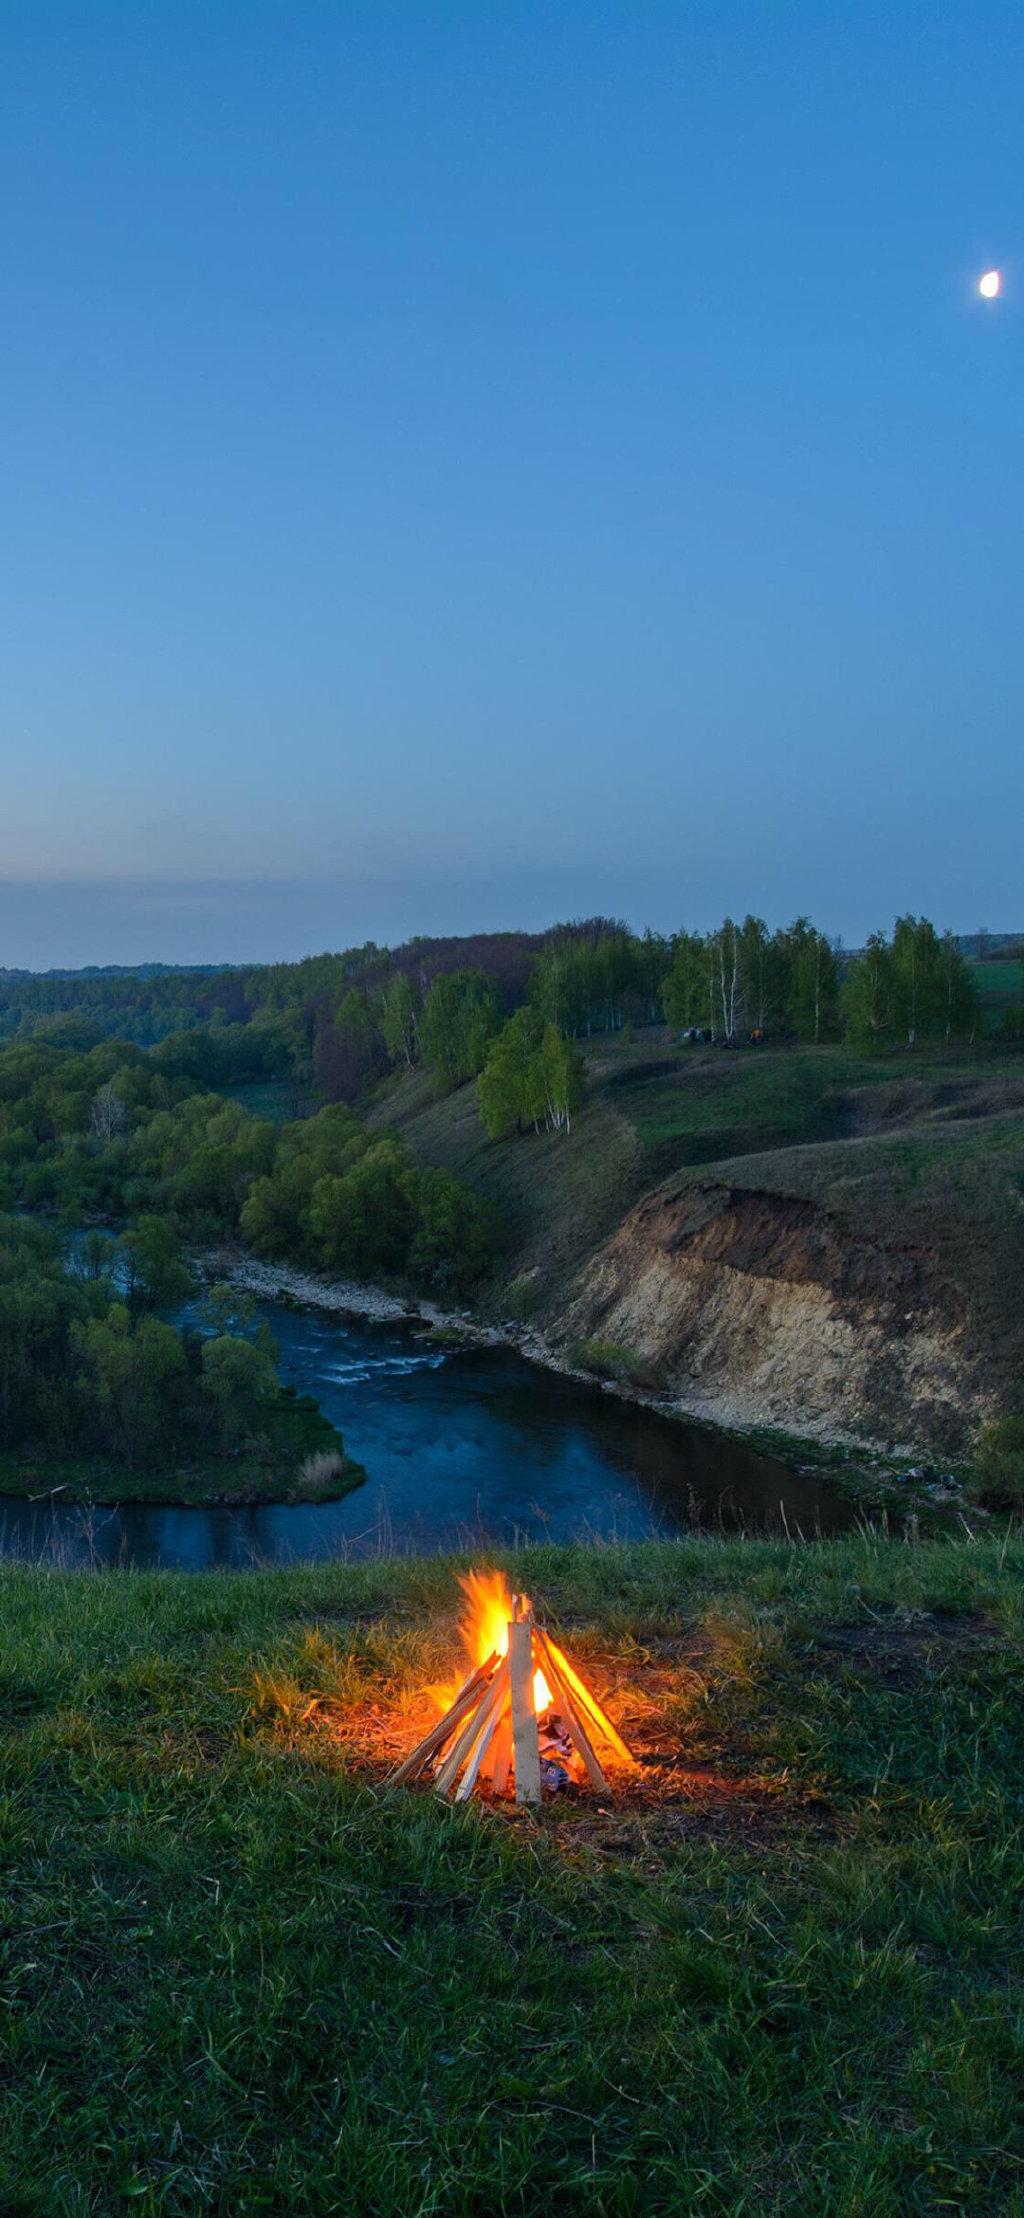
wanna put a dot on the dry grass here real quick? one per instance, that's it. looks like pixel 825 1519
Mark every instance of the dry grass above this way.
pixel 318 1478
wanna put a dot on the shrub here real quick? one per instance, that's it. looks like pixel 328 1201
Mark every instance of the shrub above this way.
pixel 609 1361
pixel 522 1296
pixel 998 1476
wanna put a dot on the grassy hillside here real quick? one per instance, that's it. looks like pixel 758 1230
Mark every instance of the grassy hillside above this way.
pixel 779 1973
pixel 925 1145
pixel 558 1195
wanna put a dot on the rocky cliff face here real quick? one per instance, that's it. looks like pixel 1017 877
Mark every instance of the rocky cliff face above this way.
pixel 761 1308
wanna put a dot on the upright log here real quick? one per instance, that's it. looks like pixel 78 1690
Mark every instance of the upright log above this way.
pixel 490 1704
pixel 525 1747
pixel 495 1766
pixel 489 1714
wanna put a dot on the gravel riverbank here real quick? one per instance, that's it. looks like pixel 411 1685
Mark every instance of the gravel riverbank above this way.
pixel 347 1297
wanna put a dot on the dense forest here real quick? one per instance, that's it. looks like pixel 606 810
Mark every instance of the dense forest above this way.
pixel 91 1368
pixel 506 1007
pixel 121 1143
pixel 115 1132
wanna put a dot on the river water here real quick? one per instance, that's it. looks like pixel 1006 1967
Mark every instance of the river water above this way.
pixel 464 1448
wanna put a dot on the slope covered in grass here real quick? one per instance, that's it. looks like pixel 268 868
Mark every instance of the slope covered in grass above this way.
pixel 780 1974
pixel 924 1147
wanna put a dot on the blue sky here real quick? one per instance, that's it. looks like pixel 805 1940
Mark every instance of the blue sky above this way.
pixel 466 465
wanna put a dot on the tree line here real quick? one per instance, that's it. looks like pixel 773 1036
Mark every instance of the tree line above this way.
pixel 508 1010
pixel 915 986
pixel 740 982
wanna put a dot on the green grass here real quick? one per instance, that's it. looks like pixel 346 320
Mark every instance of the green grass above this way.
pixel 782 1975
pixel 713 1104
pixel 295 1428
pixel 999 986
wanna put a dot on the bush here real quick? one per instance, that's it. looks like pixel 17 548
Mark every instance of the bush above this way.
pixel 998 1476
pixel 521 1298
pixel 456 1233
pixel 609 1361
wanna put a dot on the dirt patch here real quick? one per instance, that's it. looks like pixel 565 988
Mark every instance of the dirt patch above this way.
pixel 739 1812
pixel 666 1799
pixel 897 1651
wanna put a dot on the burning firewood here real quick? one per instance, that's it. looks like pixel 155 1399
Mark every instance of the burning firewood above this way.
pixel 522 1711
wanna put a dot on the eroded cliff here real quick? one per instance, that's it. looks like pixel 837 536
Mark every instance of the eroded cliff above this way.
pixel 764 1308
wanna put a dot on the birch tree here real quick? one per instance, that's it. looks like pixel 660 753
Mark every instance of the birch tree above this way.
pixel 399 1021
pixel 813 982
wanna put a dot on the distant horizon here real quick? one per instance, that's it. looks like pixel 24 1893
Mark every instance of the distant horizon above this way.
pixel 200 898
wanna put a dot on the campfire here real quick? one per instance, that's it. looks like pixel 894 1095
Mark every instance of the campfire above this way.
pixel 523 1720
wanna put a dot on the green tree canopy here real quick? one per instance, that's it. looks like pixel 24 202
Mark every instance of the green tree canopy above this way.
pixel 152 1266
pixel 237 1377
pixel 532 1077
pixel 914 988
pixel 460 1017
pixel 130 1376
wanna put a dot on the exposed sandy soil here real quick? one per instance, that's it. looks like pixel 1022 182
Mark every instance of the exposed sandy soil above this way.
pixel 764 1308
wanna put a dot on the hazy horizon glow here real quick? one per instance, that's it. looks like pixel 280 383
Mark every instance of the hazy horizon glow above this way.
pixel 436 500
pixel 262 921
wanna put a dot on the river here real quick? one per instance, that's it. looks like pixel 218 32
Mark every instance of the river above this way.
pixel 472 1447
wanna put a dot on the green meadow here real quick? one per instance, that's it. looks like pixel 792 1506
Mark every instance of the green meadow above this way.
pixel 779 1972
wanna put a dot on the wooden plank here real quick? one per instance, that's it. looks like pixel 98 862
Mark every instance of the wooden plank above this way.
pixel 500 1754
pixel 599 1723
pixel 562 1703
pixel 466 1700
pixel 491 1704
pixel 483 1742
pixel 525 1751
pixel 493 1698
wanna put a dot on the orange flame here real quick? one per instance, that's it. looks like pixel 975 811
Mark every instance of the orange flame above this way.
pixel 484 1625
